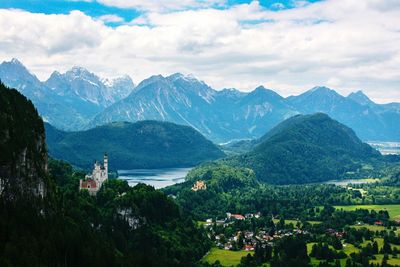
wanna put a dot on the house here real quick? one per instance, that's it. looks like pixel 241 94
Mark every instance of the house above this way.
pixel 228 246
pixel 380 223
pixel 248 248
pixel 339 234
pixel 249 215
pixel 234 216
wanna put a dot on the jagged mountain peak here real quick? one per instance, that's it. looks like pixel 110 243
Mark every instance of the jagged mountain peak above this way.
pixel 185 77
pixel 231 92
pixel 80 72
pixel 78 69
pixel 15 74
pixel 15 65
pixel 360 98
pixel 123 79
pixel 151 80
pixel 82 84
pixel 322 90
pixel 16 61
pixel 175 76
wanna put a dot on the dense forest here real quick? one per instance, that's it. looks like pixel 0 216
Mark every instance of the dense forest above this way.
pixel 145 144
pixel 237 190
pixel 122 226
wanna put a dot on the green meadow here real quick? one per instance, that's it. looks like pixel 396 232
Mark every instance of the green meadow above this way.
pixel 225 257
pixel 394 210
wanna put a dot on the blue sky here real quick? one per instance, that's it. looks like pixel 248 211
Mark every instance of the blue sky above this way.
pixel 289 45
pixel 96 8
pixel 93 9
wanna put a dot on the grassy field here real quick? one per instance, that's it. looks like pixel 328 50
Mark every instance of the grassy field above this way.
pixel 225 257
pixel 294 222
pixel 375 228
pixel 347 248
pixel 394 210
pixel 380 243
pixel 315 262
pixel 391 261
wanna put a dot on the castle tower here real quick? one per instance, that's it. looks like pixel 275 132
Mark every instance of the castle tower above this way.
pixel 106 164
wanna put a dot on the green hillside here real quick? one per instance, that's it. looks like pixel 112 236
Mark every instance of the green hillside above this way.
pixel 23 155
pixel 145 144
pixel 306 148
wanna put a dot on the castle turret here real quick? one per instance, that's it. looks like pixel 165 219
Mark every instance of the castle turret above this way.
pixel 106 163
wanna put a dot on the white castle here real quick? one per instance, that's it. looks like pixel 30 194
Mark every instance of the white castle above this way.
pixel 99 175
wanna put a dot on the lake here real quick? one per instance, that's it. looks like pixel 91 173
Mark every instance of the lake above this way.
pixel 158 178
pixel 351 181
pixel 386 148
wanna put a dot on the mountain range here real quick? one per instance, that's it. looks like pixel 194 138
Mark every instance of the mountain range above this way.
pixel 78 99
pixel 70 100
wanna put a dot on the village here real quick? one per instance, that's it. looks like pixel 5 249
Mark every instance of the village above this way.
pixel 245 232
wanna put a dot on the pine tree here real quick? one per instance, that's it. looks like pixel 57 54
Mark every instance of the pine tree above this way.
pixel 375 247
pixel 384 260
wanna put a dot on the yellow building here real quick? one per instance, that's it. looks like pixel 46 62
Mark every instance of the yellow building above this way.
pixel 199 185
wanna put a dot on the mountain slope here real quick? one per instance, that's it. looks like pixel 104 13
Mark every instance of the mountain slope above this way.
pixel 307 148
pixel 23 157
pixel 145 144
pixel 174 98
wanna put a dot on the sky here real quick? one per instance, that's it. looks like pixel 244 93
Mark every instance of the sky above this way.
pixel 289 46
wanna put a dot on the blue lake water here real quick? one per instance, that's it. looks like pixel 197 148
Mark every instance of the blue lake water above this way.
pixel 158 178
pixel 349 181
pixel 386 148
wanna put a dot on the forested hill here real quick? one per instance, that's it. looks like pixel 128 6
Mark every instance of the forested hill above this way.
pixel 23 157
pixel 145 144
pixel 307 148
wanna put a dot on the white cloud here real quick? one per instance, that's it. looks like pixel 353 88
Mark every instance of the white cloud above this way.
pixel 162 5
pixel 278 5
pixel 110 18
pixel 346 44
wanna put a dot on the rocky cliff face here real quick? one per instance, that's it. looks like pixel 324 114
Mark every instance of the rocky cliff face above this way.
pixel 23 156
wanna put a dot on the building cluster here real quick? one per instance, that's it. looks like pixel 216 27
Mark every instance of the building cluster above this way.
pixel 333 232
pixel 246 239
pixel 93 182
pixel 199 185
